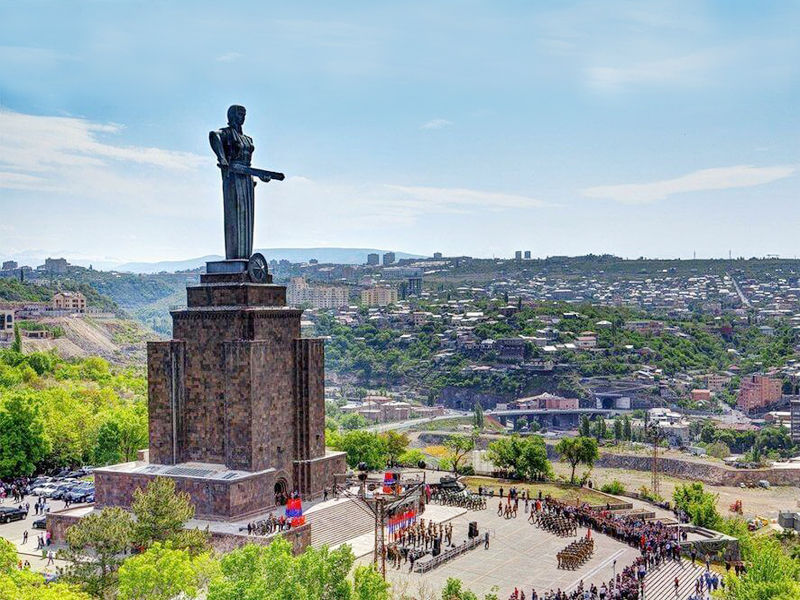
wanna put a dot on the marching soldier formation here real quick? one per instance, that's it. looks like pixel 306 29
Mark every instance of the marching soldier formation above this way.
pixel 577 553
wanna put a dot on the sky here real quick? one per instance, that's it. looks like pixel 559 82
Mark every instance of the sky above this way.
pixel 658 129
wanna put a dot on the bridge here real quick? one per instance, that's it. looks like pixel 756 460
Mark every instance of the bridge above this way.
pixel 551 417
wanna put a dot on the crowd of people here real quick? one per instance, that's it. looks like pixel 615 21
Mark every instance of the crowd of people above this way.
pixel 657 543
pixel 462 499
pixel 416 540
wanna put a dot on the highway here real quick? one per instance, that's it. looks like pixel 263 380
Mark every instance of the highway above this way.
pixel 450 414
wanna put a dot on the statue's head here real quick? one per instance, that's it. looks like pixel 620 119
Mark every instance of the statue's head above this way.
pixel 236 114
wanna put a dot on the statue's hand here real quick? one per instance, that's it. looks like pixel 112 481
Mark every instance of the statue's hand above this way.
pixel 223 165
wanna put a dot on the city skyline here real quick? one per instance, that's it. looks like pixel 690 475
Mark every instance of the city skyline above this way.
pixel 565 129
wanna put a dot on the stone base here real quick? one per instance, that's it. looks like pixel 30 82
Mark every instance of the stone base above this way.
pixel 313 476
pixel 216 492
pixel 228 271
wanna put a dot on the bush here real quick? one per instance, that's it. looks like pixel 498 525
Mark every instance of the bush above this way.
pixel 615 487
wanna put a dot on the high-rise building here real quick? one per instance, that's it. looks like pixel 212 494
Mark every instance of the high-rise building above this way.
pixel 379 296
pixel 437 255
pixel 527 254
pixel 388 258
pixel 518 255
pixel 414 287
pixel 757 391
pixel 373 259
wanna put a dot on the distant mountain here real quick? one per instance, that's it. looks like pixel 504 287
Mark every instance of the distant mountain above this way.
pixel 344 256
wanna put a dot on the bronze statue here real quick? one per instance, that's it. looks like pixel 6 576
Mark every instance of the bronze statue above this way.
pixel 234 150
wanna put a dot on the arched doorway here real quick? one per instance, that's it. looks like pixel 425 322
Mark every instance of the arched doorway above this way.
pixel 281 492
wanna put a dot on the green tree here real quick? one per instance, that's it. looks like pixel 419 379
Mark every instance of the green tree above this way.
pixel 164 572
pixel 8 556
pixel 585 427
pixel 411 457
pixel 22 440
pixel 459 446
pixel 161 514
pixel 16 345
pixel 369 584
pixel 108 450
pixel 396 443
pixel 599 428
pixel 771 574
pixel 105 536
pixel 361 446
pixel 579 450
pixel 525 457
pixel 701 506
pixel 478 415
pixel 352 421
pixel 618 430
pixel 627 430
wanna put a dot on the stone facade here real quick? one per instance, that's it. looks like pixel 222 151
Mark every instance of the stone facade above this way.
pixel 236 405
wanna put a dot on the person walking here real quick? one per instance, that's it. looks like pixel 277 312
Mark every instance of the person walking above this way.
pixel 25 537
pixel 50 556
pixel 486 541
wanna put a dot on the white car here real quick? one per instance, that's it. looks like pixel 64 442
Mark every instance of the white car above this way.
pixel 44 490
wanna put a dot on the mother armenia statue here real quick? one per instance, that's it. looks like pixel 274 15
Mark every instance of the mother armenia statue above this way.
pixel 234 150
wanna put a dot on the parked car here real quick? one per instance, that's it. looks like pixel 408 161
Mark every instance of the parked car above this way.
pixel 80 493
pixel 10 513
pixel 40 524
pixel 44 490
pixel 63 488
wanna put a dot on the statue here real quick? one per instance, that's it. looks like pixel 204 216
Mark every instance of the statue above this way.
pixel 234 150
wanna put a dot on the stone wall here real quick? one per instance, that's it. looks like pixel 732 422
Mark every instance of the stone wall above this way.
pixel 299 537
pixel 57 523
pixel 213 499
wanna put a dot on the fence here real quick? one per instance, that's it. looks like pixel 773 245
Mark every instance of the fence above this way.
pixel 448 554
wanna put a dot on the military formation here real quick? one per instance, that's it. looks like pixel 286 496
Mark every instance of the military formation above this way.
pixel 560 525
pixel 577 553
pixel 462 499
pixel 416 540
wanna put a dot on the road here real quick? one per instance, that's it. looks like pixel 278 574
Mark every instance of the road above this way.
pixel 394 425
pixel 739 291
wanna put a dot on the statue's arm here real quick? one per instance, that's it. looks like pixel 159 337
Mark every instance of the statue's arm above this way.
pixel 215 139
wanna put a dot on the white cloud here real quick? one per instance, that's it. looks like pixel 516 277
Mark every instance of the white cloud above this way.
pixel 72 156
pixel 436 124
pixel 703 180
pixel 229 57
pixel 441 198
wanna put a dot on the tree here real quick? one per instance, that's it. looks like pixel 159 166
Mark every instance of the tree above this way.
pixel 411 457
pixel 161 514
pixel 618 430
pixel 459 446
pixel 352 421
pixel 701 506
pixel 579 450
pixel 525 457
pixel 107 451
pixel 22 440
pixel 105 535
pixel 771 574
pixel 584 427
pixel 627 431
pixel 361 446
pixel 396 443
pixel 478 416
pixel 16 345
pixel 599 428
pixel 163 572
pixel 273 573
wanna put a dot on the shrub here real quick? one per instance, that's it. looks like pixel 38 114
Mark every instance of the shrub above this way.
pixel 615 487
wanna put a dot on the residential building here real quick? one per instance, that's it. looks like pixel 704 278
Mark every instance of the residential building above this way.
pixel 757 391
pixel 795 420
pixel 527 254
pixel 511 348
pixel 586 340
pixel 379 296
pixel 373 259
pixel 71 301
pixel 388 258
pixel 6 323
pixel 518 255
pixel 9 265
pixel 716 383
pixel 325 297
pixel 414 286
pixel 701 395
pixel 437 255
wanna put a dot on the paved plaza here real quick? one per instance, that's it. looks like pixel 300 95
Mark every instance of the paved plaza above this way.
pixel 13 532
pixel 519 555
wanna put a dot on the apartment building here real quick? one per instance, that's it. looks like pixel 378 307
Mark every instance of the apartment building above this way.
pixel 757 391
pixel 379 296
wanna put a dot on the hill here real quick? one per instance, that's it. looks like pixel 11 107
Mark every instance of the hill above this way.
pixel 12 290
pixel 120 341
pixel 343 256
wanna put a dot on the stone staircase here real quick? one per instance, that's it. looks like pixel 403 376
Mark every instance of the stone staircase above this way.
pixel 337 521
pixel 660 584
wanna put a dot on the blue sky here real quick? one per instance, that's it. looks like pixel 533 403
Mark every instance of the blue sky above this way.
pixel 635 128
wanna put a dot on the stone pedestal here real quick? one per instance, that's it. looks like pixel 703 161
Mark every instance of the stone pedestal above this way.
pixel 236 403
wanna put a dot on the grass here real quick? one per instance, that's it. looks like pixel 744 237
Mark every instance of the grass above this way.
pixel 566 493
